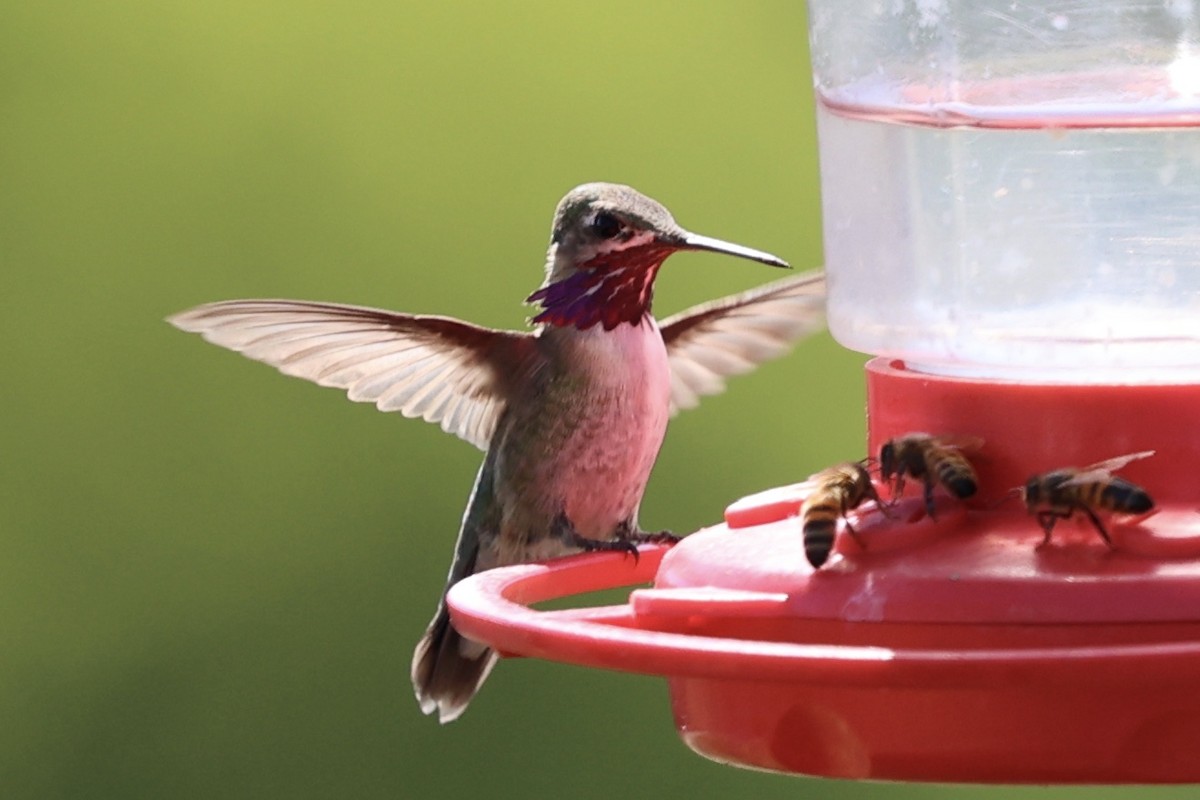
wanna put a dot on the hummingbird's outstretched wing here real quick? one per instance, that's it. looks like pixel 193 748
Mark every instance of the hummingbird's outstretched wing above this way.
pixel 436 368
pixel 710 342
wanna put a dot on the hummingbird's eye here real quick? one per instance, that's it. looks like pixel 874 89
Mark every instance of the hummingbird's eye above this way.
pixel 605 225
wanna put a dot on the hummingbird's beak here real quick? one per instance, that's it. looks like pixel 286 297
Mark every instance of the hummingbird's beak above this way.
pixel 693 241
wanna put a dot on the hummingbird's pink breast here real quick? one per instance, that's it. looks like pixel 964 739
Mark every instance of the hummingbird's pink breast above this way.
pixel 583 441
pixel 616 441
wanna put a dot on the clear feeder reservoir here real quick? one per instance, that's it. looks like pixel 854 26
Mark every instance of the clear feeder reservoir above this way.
pixel 1013 189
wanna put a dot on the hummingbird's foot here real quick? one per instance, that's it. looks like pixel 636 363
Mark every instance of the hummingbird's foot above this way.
pixel 626 531
pixel 565 531
pixel 658 537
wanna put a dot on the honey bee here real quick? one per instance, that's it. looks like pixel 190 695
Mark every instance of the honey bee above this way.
pixel 1058 494
pixel 932 459
pixel 838 490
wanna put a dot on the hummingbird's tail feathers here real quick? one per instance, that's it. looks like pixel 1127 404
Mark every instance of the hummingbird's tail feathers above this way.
pixel 713 341
pixel 436 368
pixel 448 669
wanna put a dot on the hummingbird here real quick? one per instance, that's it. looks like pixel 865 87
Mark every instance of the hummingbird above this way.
pixel 570 415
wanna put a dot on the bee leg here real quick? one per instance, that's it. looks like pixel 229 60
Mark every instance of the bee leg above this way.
pixel 872 494
pixel 1047 519
pixel 1099 527
pixel 563 529
pixel 929 499
pixel 850 529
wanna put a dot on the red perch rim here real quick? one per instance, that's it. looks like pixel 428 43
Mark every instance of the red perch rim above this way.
pixel 952 648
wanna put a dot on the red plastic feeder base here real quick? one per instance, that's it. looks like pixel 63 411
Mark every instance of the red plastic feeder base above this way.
pixel 955 648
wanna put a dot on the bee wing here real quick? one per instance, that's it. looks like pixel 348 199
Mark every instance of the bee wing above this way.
pixel 710 342
pixel 968 444
pixel 1088 476
pixel 1104 469
pixel 1116 463
pixel 440 369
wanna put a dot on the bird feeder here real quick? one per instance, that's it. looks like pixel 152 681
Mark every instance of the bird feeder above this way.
pixel 1011 196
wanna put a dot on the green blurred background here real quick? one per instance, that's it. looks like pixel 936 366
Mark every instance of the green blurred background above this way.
pixel 212 576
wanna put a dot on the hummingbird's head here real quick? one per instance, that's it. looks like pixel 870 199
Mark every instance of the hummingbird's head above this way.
pixel 606 246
